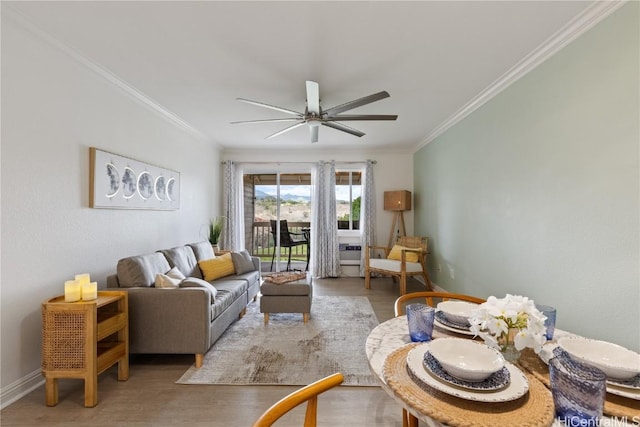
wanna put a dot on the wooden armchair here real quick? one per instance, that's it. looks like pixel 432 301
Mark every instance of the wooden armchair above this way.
pixel 410 260
pixel 307 394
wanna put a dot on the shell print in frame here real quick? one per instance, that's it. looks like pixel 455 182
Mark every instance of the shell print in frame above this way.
pixel 114 180
pixel 171 190
pixel 161 188
pixel 129 184
pixel 145 185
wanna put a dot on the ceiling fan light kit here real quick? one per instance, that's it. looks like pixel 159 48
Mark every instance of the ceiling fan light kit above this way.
pixel 314 116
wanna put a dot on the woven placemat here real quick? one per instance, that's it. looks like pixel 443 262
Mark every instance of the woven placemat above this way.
pixel 614 405
pixel 534 409
pixel 284 277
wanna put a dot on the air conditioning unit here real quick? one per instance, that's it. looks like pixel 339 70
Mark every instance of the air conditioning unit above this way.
pixel 349 253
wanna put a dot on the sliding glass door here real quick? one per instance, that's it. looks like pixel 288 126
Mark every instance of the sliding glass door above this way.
pixel 271 198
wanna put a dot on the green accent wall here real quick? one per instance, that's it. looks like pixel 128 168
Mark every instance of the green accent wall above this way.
pixel 536 193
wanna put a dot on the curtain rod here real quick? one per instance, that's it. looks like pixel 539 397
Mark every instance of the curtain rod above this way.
pixel 294 163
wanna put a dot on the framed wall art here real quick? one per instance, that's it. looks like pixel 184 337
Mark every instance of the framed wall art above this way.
pixel 118 182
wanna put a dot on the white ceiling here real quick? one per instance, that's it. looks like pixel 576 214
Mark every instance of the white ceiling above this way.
pixel 194 58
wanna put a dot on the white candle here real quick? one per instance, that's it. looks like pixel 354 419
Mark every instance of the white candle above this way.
pixel 72 291
pixel 83 278
pixel 89 291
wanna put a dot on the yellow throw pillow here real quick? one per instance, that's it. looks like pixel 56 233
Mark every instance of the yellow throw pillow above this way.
pixel 396 254
pixel 217 267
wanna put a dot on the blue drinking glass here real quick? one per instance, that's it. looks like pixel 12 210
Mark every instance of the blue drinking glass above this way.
pixel 578 390
pixel 420 318
pixel 550 322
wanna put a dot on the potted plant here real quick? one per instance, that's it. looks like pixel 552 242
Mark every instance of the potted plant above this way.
pixel 215 229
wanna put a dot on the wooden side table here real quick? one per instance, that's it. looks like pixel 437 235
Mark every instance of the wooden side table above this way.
pixel 83 339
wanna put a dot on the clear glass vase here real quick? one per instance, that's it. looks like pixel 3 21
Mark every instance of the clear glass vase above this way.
pixel 508 347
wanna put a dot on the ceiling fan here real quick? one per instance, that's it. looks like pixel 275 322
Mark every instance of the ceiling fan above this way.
pixel 314 115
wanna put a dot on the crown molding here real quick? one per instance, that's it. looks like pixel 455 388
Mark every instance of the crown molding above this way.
pixel 103 72
pixel 583 22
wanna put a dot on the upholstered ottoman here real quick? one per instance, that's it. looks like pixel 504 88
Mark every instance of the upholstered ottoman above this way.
pixel 289 297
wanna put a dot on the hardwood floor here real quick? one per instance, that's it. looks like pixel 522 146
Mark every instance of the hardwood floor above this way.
pixel 151 398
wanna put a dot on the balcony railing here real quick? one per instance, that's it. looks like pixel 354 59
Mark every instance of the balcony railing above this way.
pixel 263 243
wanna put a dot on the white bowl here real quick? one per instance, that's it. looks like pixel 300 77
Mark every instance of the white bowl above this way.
pixel 465 359
pixel 616 361
pixel 457 311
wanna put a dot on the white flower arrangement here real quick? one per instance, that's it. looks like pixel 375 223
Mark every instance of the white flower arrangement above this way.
pixel 493 319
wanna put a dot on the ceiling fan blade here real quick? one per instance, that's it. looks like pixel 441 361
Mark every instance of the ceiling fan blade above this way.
pixel 343 128
pixel 313 98
pixel 314 130
pixel 362 117
pixel 242 122
pixel 273 107
pixel 356 103
pixel 287 129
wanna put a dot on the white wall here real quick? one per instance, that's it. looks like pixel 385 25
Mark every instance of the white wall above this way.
pixel 393 171
pixel 53 109
pixel 537 193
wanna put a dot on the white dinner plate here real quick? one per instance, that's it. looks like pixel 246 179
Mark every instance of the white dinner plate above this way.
pixel 612 387
pixel 518 386
pixel 633 383
pixel 441 325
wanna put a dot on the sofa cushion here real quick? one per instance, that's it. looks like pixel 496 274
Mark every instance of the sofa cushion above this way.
pixel 233 286
pixel 184 259
pixel 251 277
pixel 229 290
pixel 202 250
pixel 141 270
pixel 218 267
pixel 242 262
pixel 194 282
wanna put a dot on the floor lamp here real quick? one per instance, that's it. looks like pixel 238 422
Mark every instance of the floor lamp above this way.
pixel 398 202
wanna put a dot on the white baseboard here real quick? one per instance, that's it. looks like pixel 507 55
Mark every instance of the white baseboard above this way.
pixel 433 284
pixel 20 388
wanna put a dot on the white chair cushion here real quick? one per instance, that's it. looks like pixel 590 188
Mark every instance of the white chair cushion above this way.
pixel 393 265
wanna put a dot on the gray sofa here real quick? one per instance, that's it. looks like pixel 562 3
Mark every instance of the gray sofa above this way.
pixel 189 318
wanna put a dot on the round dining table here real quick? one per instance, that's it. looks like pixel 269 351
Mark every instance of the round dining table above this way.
pixel 390 340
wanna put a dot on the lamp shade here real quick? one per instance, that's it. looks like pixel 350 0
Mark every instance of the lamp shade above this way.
pixel 397 200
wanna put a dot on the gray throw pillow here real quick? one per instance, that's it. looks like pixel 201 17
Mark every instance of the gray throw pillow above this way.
pixel 242 262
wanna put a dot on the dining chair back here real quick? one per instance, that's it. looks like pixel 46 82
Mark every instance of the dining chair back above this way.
pixel 400 266
pixel 307 394
pixel 431 298
pixel 288 239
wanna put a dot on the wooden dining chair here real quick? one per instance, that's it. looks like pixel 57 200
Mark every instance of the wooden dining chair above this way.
pixel 431 298
pixel 307 394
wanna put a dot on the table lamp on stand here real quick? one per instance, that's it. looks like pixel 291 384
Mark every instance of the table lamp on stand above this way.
pixel 398 202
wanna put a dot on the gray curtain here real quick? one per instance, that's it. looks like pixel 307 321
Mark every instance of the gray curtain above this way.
pixel 367 212
pixel 325 258
pixel 232 237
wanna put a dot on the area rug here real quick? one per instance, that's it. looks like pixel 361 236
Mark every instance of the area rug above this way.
pixel 287 351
